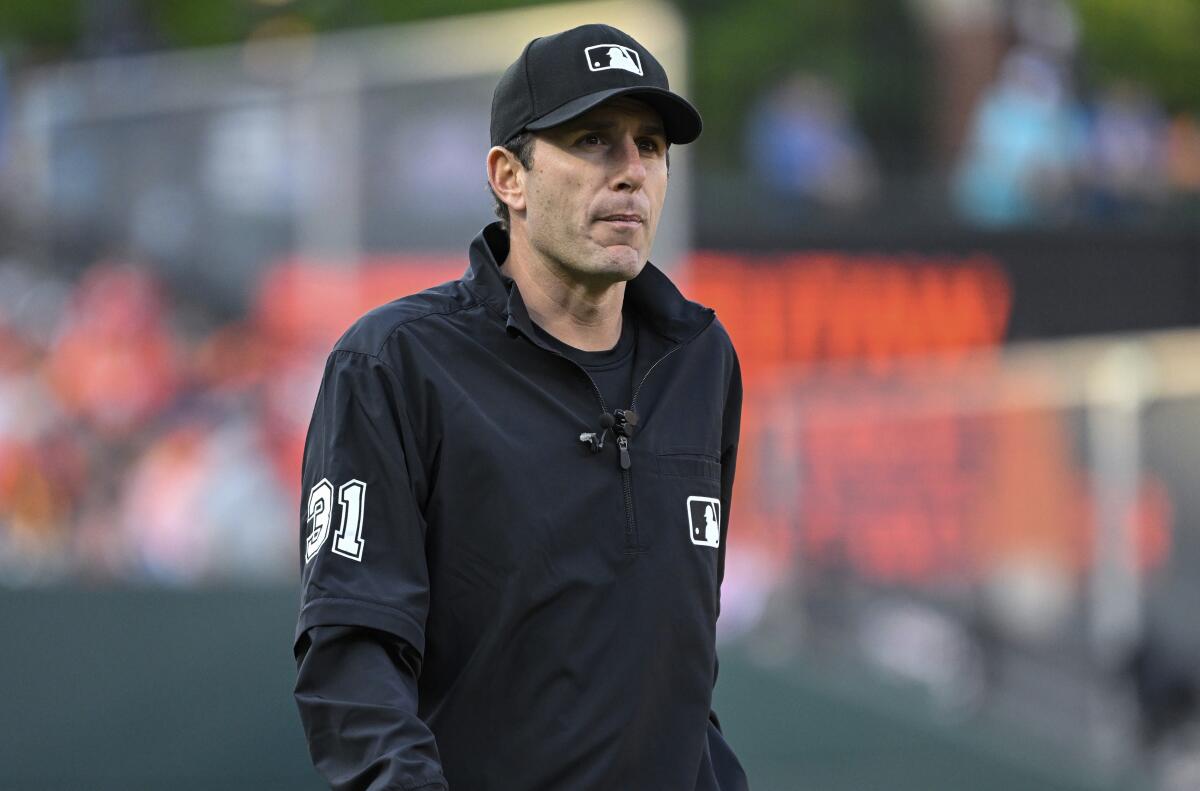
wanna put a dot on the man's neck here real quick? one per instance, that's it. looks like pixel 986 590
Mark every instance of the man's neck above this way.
pixel 586 316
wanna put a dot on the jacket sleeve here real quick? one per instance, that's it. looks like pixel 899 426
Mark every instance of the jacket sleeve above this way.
pixel 360 636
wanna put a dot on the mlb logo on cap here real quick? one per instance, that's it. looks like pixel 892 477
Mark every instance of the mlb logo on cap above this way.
pixel 602 57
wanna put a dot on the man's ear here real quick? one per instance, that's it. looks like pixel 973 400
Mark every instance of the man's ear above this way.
pixel 506 175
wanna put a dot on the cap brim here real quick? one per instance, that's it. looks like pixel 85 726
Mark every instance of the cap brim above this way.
pixel 681 121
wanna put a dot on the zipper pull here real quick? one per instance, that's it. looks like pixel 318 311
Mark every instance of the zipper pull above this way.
pixel 623 445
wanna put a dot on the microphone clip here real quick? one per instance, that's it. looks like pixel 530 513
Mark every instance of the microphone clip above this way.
pixel 621 422
pixel 593 440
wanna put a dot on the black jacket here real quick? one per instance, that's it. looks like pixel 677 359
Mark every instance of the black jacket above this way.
pixel 490 602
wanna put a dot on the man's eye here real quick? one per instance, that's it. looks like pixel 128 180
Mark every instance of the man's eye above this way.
pixel 650 145
pixel 591 140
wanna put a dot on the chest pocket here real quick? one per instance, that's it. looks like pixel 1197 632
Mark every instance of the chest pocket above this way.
pixel 689 462
pixel 680 530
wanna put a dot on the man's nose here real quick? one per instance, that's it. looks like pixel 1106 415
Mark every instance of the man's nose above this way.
pixel 630 170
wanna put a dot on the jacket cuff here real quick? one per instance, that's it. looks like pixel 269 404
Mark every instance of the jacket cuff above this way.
pixel 341 611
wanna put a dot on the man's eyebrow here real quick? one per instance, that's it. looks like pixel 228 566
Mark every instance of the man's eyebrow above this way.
pixel 604 126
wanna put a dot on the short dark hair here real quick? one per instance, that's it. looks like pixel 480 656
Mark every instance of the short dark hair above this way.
pixel 521 145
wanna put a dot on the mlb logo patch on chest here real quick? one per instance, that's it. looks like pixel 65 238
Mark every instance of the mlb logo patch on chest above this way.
pixel 602 57
pixel 704 521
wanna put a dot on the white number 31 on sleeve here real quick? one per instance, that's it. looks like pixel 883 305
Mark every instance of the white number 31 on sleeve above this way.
pixel 348 542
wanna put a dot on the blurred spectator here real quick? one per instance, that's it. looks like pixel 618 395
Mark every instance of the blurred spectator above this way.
pixel 1183 154
pixel 32 512
pixel 1025 144
pixel 113 365
pixel 200 504
pixel 1166 686
pixel 802 142
pixel 1049 25
pixel 34 480
pixel 3 114
pixel 1126 162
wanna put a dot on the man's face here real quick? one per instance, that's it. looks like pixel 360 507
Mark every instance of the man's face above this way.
pixel 596 191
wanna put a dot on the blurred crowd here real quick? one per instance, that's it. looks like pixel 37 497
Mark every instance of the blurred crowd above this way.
pixel 1039 152
pixel 138 441
pixel 1041 144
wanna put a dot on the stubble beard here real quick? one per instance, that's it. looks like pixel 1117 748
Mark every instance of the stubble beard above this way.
pixel 583 258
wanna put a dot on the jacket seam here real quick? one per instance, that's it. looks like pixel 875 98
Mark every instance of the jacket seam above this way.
pixel 374 357
pixel 399 324
pixel 395 374
pixel 396 327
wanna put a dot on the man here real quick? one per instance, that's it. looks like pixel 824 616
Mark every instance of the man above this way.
pixel 517 484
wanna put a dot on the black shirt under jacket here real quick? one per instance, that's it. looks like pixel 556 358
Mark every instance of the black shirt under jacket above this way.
pixel 489 602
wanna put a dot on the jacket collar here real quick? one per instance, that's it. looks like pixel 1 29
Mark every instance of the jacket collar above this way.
pixel 655 299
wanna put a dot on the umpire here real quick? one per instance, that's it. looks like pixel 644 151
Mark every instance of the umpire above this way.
pixel 517 484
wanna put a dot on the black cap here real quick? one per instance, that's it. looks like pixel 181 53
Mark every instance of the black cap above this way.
pixel 561 77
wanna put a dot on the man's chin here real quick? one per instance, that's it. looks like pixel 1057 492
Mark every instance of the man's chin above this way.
pixel 623 249
pixel 626 258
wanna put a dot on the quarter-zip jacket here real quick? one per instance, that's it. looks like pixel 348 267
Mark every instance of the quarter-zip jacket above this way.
pixel 491 602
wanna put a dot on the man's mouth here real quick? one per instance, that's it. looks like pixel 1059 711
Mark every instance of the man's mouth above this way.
pixel 623 220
